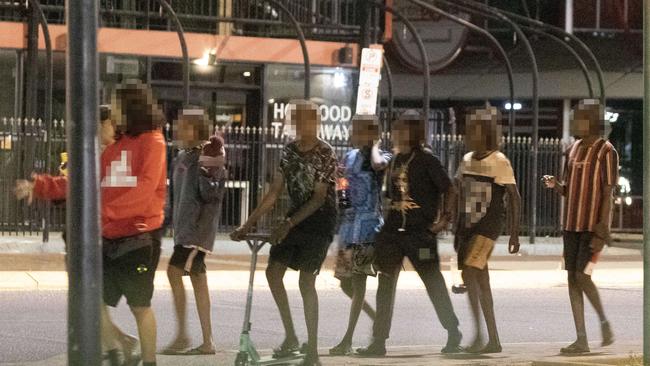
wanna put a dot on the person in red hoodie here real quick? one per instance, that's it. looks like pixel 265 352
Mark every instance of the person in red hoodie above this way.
pixel 133 186
pixel 54 188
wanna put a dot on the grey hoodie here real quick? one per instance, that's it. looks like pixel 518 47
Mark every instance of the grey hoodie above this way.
pixel 196 206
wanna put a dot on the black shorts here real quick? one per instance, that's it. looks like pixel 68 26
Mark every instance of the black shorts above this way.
pixel 131 274
pixel 577 252
pixel 421 248
pixel 302 251
pixel 189 260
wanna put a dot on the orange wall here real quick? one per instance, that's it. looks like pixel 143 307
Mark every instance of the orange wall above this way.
pixel 166 44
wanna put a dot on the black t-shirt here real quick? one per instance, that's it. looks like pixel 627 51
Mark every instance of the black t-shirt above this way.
pixel 416 182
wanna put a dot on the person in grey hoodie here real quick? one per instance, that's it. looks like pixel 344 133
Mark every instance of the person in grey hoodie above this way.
pixel 198 184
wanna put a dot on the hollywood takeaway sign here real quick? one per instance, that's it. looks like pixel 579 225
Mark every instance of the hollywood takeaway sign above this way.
pixel 335 118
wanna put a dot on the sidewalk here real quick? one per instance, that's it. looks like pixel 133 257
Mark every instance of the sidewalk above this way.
pixel 545 354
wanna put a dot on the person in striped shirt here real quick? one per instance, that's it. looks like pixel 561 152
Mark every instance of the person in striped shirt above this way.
pixel 590 175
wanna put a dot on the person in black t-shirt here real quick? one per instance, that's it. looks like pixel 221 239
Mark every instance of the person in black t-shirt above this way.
pixel 484 177
pixel 416 183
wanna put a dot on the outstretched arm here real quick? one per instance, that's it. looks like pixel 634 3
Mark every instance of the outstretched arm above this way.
pixel 514 207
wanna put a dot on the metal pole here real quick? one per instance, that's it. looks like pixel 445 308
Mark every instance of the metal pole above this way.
pixel 363 8
pixel 303 44
pixel 84 260
pixel 426 73
pixel 391 98
pixel 31 72
pixel 48 107
pixel 495 43
pixel 186 56
pixel 646 179
pixel 477 7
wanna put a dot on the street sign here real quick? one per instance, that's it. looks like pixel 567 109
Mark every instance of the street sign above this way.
pixel 369 77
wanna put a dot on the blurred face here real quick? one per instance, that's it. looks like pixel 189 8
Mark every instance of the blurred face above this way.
pixel 475 136
pixel 405 134
pixel 106 132
pixel 186 134
pixel 584 123
pixel 304 118
pixel 364 132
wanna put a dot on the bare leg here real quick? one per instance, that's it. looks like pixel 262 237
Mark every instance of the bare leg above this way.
pixel 275 274
pixel 470 278
pixel 590 290
pixel 347 286
pixel 146 320
pixel 202 297
pixel 487 304
pixel 310 303
pixel 358 301
pixel 175 276
pixel 577 307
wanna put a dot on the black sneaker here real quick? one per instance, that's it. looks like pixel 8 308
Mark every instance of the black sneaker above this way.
pixel 576 348
pixel 453 342
pixel 608 335
pixel 375 349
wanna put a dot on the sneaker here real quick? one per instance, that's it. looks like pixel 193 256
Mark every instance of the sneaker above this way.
pixel 453 342
pixel 286 349
pixel 375 349
pixel 576 347
pixel 608 335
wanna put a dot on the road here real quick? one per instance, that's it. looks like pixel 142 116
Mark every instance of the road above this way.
pixel 33 323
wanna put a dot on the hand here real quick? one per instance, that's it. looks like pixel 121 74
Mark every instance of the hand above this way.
pixel 280 232
pixel 24 190
pixel 549 181
pixel 240 233
pixel 439 226
pixel 513 244
pixel 596 244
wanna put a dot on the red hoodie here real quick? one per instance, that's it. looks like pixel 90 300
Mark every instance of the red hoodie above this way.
pixel 133 185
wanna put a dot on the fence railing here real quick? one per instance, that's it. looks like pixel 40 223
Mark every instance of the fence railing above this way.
pixel 320 19
pixel 253 158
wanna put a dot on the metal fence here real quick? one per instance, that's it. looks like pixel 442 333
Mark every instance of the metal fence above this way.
pixel 320 19
pixel 253 158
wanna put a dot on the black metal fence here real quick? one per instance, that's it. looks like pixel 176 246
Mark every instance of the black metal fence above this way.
pixel 253 158
pixel 320 19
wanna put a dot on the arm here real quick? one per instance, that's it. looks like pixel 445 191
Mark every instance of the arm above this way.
pixel 450 193
pixel 315 202
pixel 514 207
pixel 48 187
pixel 211 188
pixel 268 201
pixel 379 161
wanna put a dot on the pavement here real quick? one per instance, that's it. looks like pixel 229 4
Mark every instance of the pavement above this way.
pixel 517 354
pixel 27 265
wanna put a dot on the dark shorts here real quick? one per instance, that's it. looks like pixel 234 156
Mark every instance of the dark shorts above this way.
pixel 302 251
pixel 421 247
pixel 577 252
pixel 189 260
pixel 131 274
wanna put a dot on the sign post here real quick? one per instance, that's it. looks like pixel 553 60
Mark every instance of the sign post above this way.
pixel 369 77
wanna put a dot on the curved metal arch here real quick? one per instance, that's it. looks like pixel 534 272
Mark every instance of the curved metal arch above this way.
pixel 561 32
pixel 303 44
pixel 490 37
pixel 186 56
pixel 423 53
pixel 472 7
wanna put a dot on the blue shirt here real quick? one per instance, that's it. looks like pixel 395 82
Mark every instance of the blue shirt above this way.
pixel 363 219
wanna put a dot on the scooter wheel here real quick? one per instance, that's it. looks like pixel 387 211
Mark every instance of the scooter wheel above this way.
pixel 242 359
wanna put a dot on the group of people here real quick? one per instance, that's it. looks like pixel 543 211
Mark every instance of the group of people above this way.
pixel 478 203
pixel 421 200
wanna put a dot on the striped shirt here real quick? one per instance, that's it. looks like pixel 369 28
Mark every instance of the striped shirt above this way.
pixel 587 170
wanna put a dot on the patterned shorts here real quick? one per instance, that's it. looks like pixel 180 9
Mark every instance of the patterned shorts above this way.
pixel 355 259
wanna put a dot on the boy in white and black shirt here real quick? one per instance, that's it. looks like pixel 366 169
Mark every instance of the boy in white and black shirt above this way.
pixel 484 178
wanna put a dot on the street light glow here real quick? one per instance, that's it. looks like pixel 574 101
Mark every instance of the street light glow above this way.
pixel 517 107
